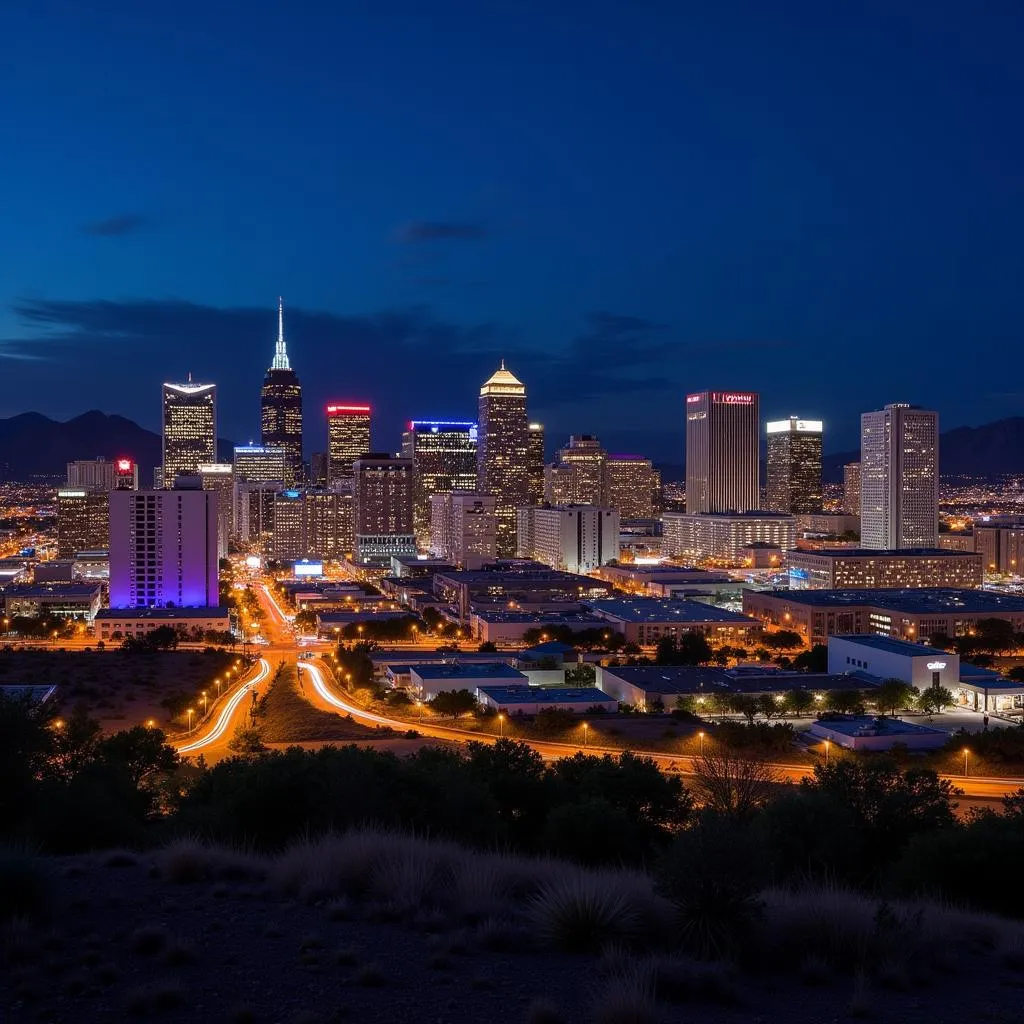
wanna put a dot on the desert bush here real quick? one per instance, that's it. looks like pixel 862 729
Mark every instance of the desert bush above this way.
pixel 194 860
pixel 583 913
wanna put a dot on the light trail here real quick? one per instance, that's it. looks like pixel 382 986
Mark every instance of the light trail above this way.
pixel 286 619
pixel 325 694
pixel 226 712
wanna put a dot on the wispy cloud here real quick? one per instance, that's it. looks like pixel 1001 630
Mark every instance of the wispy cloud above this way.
pixel 420 231
pixel 113 227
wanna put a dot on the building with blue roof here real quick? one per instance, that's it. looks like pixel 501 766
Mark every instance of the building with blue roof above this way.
pixel 428 680
pixel 518 700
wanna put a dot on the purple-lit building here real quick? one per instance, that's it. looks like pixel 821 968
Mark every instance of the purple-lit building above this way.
pixel 163 548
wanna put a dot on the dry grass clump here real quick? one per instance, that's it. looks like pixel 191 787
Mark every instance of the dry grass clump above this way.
pixel 193 860
pixel 582 913
pixel 626 999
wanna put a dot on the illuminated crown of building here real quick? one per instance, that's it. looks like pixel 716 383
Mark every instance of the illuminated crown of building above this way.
pixel 280 352
pixel 502 382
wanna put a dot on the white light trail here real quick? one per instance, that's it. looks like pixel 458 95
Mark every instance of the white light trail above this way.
pixel 321 688
pixel 224 718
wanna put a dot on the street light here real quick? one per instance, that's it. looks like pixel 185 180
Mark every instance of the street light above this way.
pixel 217 683
pixel 966 752
pixel 191 712
pixel 701 735
pixel 501 726
pixel 828 744
pixel 204 701
pixel 586 731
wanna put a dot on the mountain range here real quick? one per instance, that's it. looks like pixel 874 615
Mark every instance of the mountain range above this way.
pixel 35 445
pixel 32 444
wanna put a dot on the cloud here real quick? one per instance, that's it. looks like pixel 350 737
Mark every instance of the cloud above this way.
pixel 420 231
pixel 114 227
pixel 632 339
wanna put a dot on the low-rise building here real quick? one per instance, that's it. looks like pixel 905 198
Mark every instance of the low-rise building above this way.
pixel 999 541
pixel 531 700
pixel 890 658
pixel 848 568
pixel 509 625
pixel 67 600
pixel 665 580
pixel 646 620
pixel 862 732
pixel 117 623
pixel 427 681
pixel 720 538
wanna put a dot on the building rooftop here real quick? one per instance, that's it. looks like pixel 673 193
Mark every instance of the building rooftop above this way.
pixel 722 516
pixel 68 590
pixel 162 613
pixel 859 725
pixel 339 618
pixel 529 573
pixel 656 609
pixel 883 553
pixel 550 618
pixel 889 645
pixel 920 601
pixel 546 694
pixel 546 650
pixel 667 573
pixel 703 679
pixel 481 670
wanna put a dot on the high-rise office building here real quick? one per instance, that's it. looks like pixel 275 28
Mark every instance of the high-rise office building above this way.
pixel 794 466
pixel 574 538
pixel 443 456
pixel 260 463
pixel 281 406
pixel 318 469
pixel 577 475
pixel 82 520
pixel 91 474
pixel 382 509
pixel 722 435
pixel 348 437
pixel 851 488
pixel 535 446
pixel 220 477
pixel 288 540
pixel 630 485
pixel 189 428
pixel 899 478
pixel 463 528
pixel 254 512
pixel 163 549
pixel 503 452
pixel 311 523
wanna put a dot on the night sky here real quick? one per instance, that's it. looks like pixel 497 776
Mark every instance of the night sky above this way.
pixel 627 201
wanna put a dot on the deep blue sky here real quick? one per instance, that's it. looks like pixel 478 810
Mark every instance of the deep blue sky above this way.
pixel 626 200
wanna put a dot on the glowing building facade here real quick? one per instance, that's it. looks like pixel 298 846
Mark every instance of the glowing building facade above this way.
pixel 189 428
pixel 281 407
pixel 722 435
pixel 348 437
pixel 794 466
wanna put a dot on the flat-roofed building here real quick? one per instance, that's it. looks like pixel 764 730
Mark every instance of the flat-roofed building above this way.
pixel 427 681
pixel 999 540
pixel 509 625
pixel 463 528
pixel 443 454
pixel 189 428
pixel 794 466
pixel 574 538
pixel 382 509
pixel 848 568
pixel 83 520
pixel 530 700
pixel 220 477
pixel 646 620
pixel 66 600
pixel 722 452
pixel 117 623
pixel 348 438
pixel 720 539
pixel 630 486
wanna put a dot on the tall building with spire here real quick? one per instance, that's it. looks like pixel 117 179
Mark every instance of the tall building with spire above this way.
pixel 503 453
pixel 281 406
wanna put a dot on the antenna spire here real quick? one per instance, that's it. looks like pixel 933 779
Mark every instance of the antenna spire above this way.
pixel 280 352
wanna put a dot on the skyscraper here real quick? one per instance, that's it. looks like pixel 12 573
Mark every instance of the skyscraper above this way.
pixel 851 488
pixel 722 434
pixel 630 483
pixel 577 475
pixel 794 466
pixel 503 452
pixel 462 528
pixel 899 478
pixel 281 406
pixel 348 437
pixel 443 455
pixel 382 509
pixel 189 428
pixel 220 477
pixel 163 549
pixel 260 463
pixel 82 520
pixel 91 474
pixel 535 443
pixel 575 538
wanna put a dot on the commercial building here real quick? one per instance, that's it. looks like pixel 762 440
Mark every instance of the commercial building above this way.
pixel 577 476
pixel 463 528
pixel 574 538
pixel 899 478
pixel 960 541
pixel 254 513
pixel 310 524
pixel 443 454
pixel 863 732
pixel 288 538
pixel 281 406
pixel 83 520
pixel 999 541
pixel 847 568
pixel 646 620
pixel 260 463
pixel 66 600
pixel 887 657
pixel 348 438
pixel 535 450
pixel 827 524
pixel 905 614
pixel 189 428
pixel 631 484
pixel 503 452
pixel 219 477
pixel 91 475
pixel 669 581
pixel 501 624
pixel 794 466
pixel 722 434
pixel 190 623
pixel 531 700
pixel 382 509
pixel 163 549
pixel 851 489
pixel 428 680
pixel 721 538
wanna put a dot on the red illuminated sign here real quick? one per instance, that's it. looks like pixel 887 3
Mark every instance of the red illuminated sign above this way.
pixel 334 410
pixel 690 399
pixel 124 465
pixel 732 397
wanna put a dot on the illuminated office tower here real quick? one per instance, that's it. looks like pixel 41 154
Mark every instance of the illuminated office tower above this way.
pixel 254 512
pixel 163 549
pixel 382 500
pixel 463 528
pixel 91 474
pixel 260 463
pixel 288 540
pixel 630 484
pixel 851 488
pixel 503 452
pixel 443 457
pixel 220 477
pixel 535 445
pixel 794 466
pixel 281 406
pixel 82 521
pixel 577 475
pixel 722 435
pixel 348 437
pixel 189 428
pixel 899 478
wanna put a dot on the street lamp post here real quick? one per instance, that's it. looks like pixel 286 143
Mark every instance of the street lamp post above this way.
pixel 828 743
pixel 586 732
pixel 701 735
pixel 191 712
pixel 966 752
pixel 204 702
pixel 501 726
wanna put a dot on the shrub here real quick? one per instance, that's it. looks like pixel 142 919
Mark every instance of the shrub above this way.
pixel 627 999
pixel 193 860
pixel 582 913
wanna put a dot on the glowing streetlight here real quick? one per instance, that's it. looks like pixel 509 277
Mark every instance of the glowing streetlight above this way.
pixel 501 726
pixel 966 752
pixel 204 701
pixel 828 744
pixel 191 712
pixel 217 684
pixel 700 735
pixel 150 723
pixel 586 732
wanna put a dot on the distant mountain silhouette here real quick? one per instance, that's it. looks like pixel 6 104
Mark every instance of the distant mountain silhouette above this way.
pixel 34 445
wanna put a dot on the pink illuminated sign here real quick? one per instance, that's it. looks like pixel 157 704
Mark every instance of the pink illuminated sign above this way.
pixel 732 397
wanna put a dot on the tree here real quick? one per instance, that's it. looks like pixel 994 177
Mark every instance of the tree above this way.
pixel 942 640
pixel 453 703
pixel 581 675
pixel 139 751
pixel 996 635
pixel 744 704
pixel 769 706
pixel 934 699
pixel 1016 674
pixel 488 647
pixel 733 786
pixel 799 702
pixel 846 702
pixel 814 660
pixel 893 695
pixel 783 640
